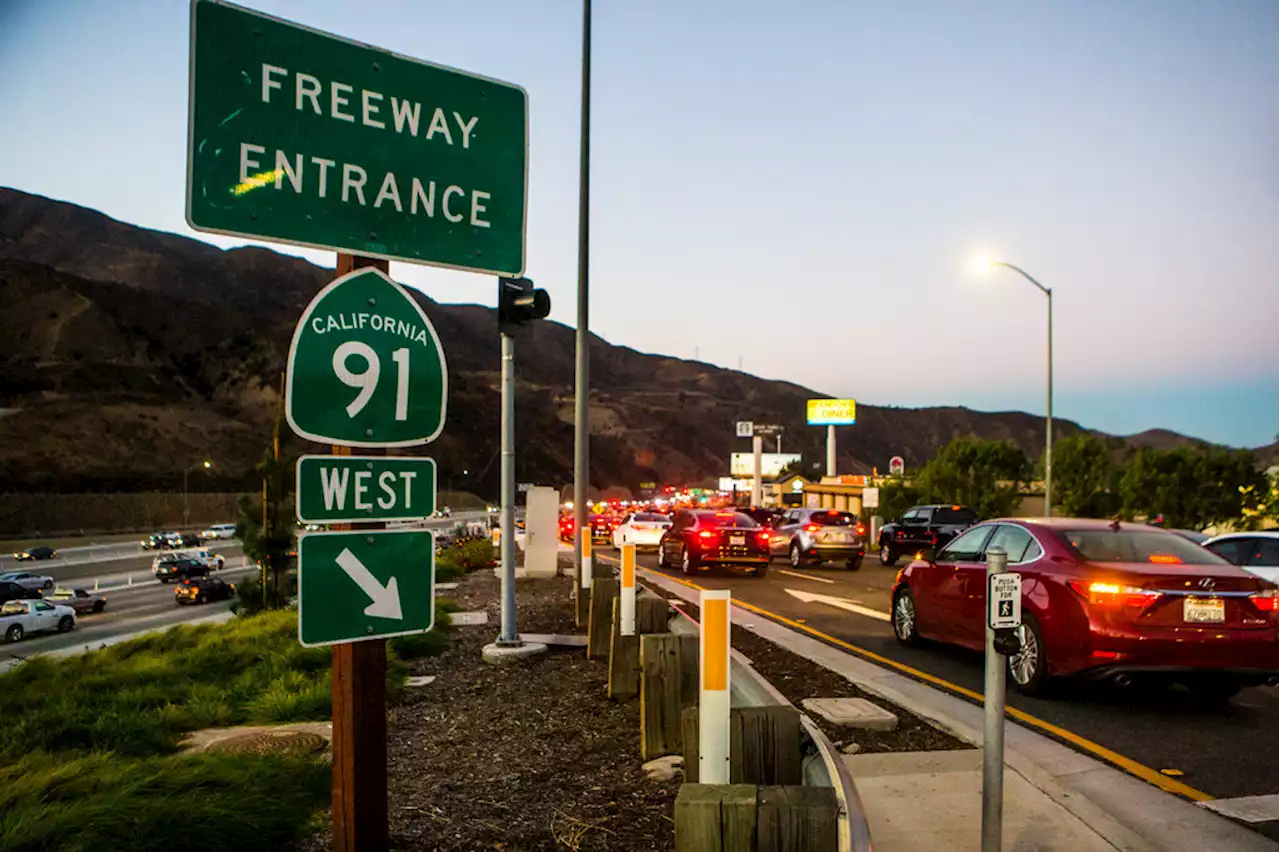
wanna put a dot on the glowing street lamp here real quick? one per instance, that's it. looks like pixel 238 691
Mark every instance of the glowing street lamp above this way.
pixel 984 263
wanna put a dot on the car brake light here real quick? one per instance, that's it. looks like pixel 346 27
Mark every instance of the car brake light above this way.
pixel 1164 559
pixel 762 537
pixel 859 529
pixel 811 527
pixel 1267 601
pixel 705 534
pixel 1113 594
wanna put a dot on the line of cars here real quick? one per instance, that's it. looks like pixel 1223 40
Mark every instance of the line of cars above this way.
pixel 25 610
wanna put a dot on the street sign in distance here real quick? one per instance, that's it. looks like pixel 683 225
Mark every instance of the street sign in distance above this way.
pixel 897 465
pixel 871 498
pixel 1004 600
pixel 337 489
pixel 307 138
pixel 372 584
pixel 365 367
pixel 744 429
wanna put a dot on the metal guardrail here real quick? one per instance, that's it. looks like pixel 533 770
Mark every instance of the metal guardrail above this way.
pixel 749 688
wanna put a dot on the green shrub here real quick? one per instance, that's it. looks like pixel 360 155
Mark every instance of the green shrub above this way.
pixel 196 803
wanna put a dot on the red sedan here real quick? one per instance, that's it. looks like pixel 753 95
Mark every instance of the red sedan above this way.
pixel 1100 599
pixel 700 538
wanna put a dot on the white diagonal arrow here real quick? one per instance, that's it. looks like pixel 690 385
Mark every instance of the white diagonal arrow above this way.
pixel 841 603
pixel 386 600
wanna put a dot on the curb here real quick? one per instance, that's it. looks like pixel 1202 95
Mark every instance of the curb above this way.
pixel 1128 813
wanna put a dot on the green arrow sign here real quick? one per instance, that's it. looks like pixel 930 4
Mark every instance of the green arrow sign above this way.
pixel 334 489
pixel 365 585
pixel 307 138
pixel 365 367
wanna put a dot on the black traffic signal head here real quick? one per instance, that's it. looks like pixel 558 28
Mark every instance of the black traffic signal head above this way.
pixel 518 302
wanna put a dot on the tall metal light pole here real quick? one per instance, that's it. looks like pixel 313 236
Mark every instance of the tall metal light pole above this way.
pixel 1048 417
pixel 186 510
pixel 582 377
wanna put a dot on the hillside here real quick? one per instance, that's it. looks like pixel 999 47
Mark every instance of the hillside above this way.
pixel 132 353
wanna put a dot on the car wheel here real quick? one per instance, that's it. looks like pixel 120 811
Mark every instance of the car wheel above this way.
pixel 99 606
pixel 688 562
pixel 65 624
pixel 48 584
pixel 662 556
pixel 904 619
pixel 855 563
pixel 887 557
pixel 14 633
pixel 202 599
pixel 1029 668
pixel 797 558
pixel 760 571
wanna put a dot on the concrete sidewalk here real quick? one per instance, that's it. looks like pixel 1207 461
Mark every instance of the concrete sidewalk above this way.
pixel 1056 798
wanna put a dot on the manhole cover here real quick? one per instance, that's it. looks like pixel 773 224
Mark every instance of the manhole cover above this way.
pixel 262 742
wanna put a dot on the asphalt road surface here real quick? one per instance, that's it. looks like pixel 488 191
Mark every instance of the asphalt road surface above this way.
pixel 146 606
pixel 1227 750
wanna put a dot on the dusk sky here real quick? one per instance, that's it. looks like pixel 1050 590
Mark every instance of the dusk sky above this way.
pixel 801 187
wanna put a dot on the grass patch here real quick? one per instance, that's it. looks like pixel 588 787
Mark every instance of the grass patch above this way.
pixel 194 803
pixel 139 697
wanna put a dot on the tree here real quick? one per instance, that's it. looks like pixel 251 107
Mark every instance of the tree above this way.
pixel 1189 488
pixel 1260 507
pixel 1086 478
pixel 983 474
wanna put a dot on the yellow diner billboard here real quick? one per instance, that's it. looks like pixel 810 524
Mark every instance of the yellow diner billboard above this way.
pixel 832 412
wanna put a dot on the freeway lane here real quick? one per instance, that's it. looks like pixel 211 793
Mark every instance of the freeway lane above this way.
pixel 1225 751
pixel 141 607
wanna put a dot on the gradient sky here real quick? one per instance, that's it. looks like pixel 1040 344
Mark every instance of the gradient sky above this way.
pixel 800 187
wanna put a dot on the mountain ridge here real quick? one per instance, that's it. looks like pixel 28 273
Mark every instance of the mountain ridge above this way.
pixel 169 350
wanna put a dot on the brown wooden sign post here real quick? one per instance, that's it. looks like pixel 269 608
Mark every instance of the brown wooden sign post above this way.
pixel 359 709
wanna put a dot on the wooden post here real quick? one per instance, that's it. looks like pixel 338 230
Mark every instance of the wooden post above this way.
pixel 659 695
pixel 624 651
pixel 359 795
pixel 765 745
pixel 796 819
pixel 689 672
pixel 689 743
pixel 712 818
pixel 604 591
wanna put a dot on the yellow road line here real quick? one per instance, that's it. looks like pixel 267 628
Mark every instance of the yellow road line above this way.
pixel 1146 773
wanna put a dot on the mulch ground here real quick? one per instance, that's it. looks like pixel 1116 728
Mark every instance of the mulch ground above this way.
pixel 799 678
pixel 524 757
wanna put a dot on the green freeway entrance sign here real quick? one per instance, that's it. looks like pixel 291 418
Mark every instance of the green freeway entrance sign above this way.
pixel 334 489
pixel 365 367
pixel 307 138
pixel 365 585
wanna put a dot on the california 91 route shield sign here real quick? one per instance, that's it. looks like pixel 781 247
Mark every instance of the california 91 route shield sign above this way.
pixel 365 367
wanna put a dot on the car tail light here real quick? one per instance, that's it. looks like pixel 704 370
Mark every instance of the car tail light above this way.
pixel 811 527
pixel 1113 594
pixel 1267 601
pixel 859 529
pixel 705 534
pixel 1164 559
pixel 762 537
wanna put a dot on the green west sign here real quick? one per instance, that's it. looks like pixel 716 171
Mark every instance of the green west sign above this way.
pixel 303 137
pixel 365 585
pixel 365 367
pixel 334 489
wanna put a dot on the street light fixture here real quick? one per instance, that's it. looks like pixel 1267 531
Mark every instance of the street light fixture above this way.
pixel 1048 417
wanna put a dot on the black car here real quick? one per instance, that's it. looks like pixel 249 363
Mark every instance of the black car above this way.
pixel 183 541
pixel 38 552
pixel 16 592
pixel 198 590
pixel 923 528
pixel 763 517
pixel 180 569
pixel 155 541
pixel 704 537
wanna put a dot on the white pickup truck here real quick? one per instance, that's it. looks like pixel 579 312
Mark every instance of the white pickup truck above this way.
pixel 212 561
pixel 18 618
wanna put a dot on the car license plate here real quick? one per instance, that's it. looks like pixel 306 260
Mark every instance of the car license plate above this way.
pixel 843 537
pixel 738 540
pixel 1203 611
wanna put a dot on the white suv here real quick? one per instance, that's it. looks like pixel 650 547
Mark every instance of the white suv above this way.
pixel 219 531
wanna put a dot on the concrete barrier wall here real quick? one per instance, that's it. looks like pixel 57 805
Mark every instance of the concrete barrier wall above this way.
pixel 28 515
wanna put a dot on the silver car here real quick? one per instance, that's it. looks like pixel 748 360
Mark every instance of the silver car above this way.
pixel 28 580
pixel 81 600
pixel 815 536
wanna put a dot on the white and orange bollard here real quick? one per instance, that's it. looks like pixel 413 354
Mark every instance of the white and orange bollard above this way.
pixel 627 597
pixel 586 557
pixel 713 681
